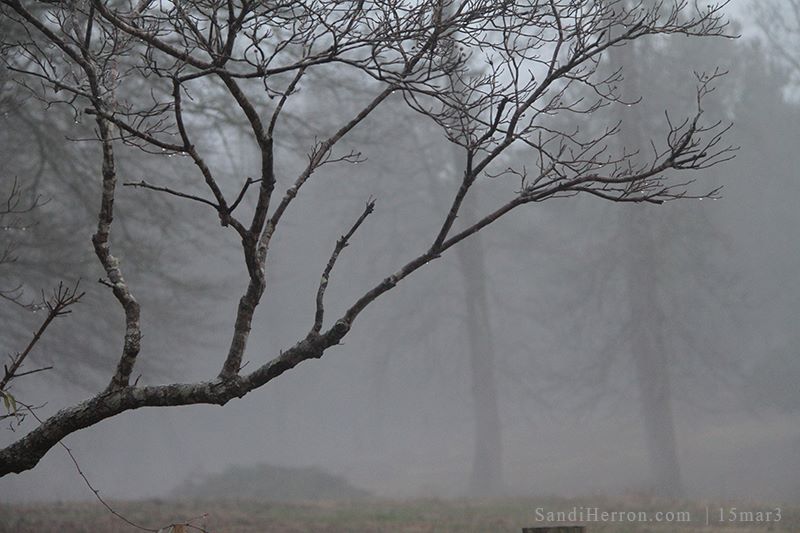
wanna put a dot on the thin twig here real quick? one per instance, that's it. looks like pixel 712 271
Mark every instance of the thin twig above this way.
pixel 96 492
pixel 63 297
pixel 340 245
pixel 144 185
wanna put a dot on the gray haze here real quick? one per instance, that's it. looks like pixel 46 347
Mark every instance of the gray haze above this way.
pixel 392 408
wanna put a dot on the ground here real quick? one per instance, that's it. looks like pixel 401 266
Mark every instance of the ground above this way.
pixel 380 515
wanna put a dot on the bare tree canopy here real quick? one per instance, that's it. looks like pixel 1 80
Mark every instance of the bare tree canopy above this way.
pixel 495 76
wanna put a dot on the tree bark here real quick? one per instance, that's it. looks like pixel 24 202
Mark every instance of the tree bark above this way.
pixel 26 453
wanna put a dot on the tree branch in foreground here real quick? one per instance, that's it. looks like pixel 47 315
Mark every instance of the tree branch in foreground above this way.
pixel 491 75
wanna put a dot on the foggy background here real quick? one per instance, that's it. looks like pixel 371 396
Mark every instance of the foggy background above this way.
pixel 394 408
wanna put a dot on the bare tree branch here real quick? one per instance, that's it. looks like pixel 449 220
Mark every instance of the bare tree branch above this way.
pixel 340 245
pixel 495 76
pixel 144 185
pixel 57 305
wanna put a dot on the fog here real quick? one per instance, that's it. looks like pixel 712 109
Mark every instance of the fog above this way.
pixel 569 296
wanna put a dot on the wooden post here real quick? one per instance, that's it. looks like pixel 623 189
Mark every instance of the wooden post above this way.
pixel 555 529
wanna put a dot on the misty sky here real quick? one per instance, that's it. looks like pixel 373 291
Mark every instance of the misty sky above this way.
pixel 393 408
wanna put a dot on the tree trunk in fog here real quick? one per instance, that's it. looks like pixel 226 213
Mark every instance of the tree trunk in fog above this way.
pixel 650 357
pixel 487 466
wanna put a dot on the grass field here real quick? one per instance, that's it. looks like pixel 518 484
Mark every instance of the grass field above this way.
pixel 404 516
